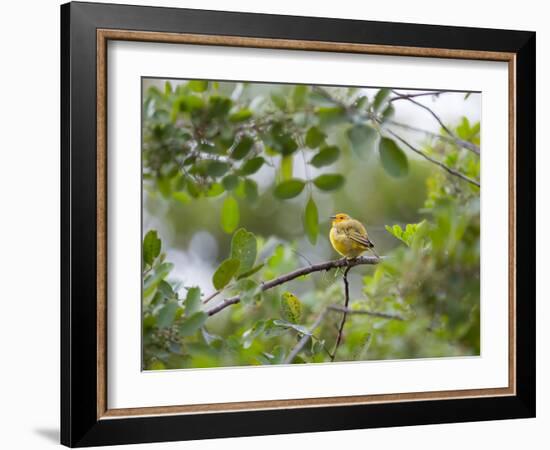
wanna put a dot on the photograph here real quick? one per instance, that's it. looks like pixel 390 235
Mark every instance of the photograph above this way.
pixel 301 224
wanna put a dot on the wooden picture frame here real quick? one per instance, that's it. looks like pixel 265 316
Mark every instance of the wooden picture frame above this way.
pixel 86 418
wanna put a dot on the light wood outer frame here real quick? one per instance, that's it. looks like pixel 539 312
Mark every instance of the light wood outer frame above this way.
pixel 103 36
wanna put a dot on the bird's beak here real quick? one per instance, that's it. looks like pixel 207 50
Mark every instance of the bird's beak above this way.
pixel 333 217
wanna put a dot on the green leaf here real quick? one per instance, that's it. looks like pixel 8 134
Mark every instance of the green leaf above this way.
pixel 289 189
pixel 311 221
pixel 167 314
pixel 315 137
pixel 225 272
pixel 156 365
pixel 216 168
pixel 463 130
pixel 181 197
pixel 284 144
pixel 287 165
pixel 278 355
pixel 192 301
pixel 198 85
pixel 331 115
pixel 389 112
pixel 329 181
pixel 230 182
pixel 151 247
pixel 286 324
pixel 252 166
pixel 242 148
pixel 380 99
pixel 193 324
pixel 251 190
pixel 230 215
pixel 393 159
pixel 299 95
pixel 247 289
pixel 240 116
pixel 167 88
pixel 291 307
pixel 219 106
pixel 412 233
pixel 151 281
pixel 239 190
pixel 193 188
pixel 251 271
pixel 166 290
pixel 326 156
pixel 279 101
pixel 215 190
pixel 244 248
pixel 362 138
pixel 149 322
pixel 190 160
pixel 189 103
pixel 249 335
pixel 164 185
pixel 361 102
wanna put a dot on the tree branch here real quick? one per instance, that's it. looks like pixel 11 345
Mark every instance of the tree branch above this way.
pixel 211 296
pixel 344 316
pixel 433 160
pixel 305 338
pixel 451 138
pixel 422 94
pixel 337 308
pixel 453 172
pixel 382 315
pixel 319 267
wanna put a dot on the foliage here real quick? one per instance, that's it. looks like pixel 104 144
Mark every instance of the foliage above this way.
pixel 210 146
pixel 201 139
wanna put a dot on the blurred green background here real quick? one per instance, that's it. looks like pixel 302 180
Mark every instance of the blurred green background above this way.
pixel 278 161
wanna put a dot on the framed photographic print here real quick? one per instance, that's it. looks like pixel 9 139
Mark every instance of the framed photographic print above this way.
pixel 277 224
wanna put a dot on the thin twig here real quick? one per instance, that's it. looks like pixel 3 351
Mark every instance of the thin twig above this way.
pixel 305 338
pixel 344 316
pixel 451 138
pixel 428 109
pixel 382 315
pixel 460 142
pixel 301 256
pixel 211 296
pixel 422 94
pixel 433 160
pixel 319 267
pixel 337 308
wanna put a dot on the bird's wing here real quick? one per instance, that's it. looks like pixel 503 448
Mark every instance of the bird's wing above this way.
pixel 359 238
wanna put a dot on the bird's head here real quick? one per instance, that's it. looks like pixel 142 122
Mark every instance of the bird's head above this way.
pixel 338 218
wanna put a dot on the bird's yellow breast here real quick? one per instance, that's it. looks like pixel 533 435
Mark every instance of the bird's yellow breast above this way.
pixel 343 244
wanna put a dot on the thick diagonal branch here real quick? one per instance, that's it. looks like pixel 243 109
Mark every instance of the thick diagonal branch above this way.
pixel 319 267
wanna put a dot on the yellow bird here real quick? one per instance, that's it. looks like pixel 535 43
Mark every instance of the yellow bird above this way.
pixel 349 237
